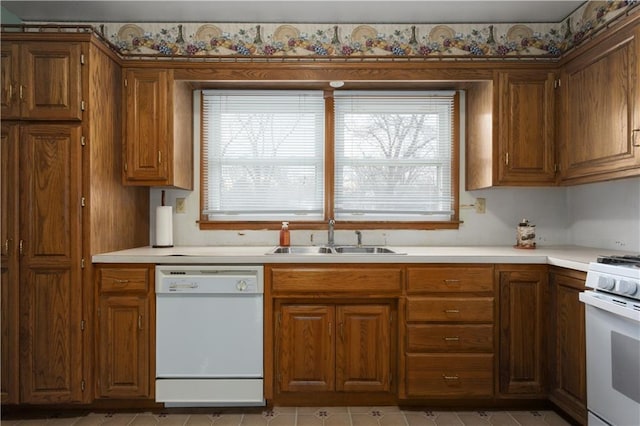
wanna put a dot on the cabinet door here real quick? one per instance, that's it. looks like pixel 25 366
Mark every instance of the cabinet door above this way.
pixel 363 348
pixel 568 387
pixel 305 352
pixel 526 154
pixel 523 298
pixel 146 139
pixel 601 109
pixel 9 71
pixel 51 80
pixel 50 273
pixel 9 264
pixel 123 346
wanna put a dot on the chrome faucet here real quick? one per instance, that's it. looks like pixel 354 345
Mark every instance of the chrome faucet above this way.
pixel 359 235
pixel 330 241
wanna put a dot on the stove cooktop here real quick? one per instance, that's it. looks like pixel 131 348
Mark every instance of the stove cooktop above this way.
pixel 627 259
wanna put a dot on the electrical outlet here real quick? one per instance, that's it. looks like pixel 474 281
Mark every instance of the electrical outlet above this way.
pixel 481 205
pixel 181 205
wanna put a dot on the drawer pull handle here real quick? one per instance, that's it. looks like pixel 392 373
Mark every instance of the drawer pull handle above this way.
pixel 451 339
pixel 444 376
pixel 451 281
pixel 451 311
pixel 121 282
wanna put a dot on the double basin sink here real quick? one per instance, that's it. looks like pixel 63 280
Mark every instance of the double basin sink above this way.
pixel 332 250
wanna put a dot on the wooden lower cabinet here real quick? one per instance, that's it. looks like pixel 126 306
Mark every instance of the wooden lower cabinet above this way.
pixel 327 348
pixel 449 332
pixel 568 346
pixel 125 327
pixel 449 375
pixel 523 330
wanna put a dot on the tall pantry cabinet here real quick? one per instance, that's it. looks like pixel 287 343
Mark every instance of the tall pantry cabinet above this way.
pixel 62 202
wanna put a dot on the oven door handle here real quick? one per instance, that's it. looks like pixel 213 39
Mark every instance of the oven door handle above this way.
pixel 591 298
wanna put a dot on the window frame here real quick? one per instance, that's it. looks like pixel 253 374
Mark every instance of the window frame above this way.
pixel 329 190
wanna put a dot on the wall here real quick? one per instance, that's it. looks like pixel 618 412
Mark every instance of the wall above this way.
pixel 605 215
pixel 545 207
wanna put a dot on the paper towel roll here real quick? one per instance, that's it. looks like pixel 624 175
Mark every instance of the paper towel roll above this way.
pixel 164 226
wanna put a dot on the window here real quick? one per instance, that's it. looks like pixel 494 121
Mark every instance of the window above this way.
pixel 391 158
pixel 263 155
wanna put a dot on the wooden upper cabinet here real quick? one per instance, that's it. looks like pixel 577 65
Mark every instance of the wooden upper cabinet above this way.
pixel 42 81
pixel 526 107
pixel 158 145
pixel 510 130
pixel 10 70
pixel 600 112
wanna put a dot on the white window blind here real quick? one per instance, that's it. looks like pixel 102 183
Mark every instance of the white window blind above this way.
pixel 264 155
pixel 393 156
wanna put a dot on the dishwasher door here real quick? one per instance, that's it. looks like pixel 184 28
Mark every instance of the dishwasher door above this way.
pixel 209 336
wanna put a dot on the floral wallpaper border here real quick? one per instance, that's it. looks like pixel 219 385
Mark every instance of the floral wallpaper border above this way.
pixel 322 40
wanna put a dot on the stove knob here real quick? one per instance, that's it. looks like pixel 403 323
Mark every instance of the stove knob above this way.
pixel 606 283
pixel 628 287
pixel 241 285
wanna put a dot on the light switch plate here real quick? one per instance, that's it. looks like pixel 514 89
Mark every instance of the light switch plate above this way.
pixel 481 205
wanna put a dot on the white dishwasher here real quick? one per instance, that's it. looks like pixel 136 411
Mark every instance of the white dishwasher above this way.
pixel 209 335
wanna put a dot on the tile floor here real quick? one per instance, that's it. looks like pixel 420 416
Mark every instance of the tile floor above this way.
pixel 308 416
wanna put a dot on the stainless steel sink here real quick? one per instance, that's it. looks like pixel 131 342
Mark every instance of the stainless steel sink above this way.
pixel 332 250
pixel 301 250
pixel 363 250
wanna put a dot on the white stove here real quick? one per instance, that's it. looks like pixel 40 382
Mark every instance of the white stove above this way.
pixel 612 315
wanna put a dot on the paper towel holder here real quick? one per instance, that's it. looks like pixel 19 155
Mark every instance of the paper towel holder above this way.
pixel 169 224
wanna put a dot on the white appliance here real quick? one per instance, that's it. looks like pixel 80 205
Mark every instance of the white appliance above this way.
pixel 612 312
pixel 209 335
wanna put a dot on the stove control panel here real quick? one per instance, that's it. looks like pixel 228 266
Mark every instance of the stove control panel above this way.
pixel 616 279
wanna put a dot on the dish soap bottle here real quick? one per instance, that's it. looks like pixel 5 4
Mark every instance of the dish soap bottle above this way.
pixel 285 238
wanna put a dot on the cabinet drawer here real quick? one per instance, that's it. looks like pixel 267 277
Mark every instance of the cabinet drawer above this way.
pixel 336 280
pixel 127 279
pixel 446 279
pixel 449 338
pixel 450 309
pixel 443 375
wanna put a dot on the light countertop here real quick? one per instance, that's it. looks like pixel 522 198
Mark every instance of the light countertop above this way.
pixel 572 257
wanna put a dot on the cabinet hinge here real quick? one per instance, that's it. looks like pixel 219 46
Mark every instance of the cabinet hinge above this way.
pixel 82 59
pixel 556 84
pixel 83 141
pixel 82 325
pixel 82 106
pixel 83 202
pixel 82 263
pixel 83 385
